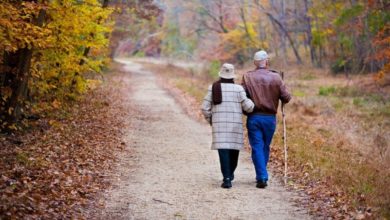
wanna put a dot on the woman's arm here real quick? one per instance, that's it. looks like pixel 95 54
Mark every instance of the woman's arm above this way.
pixel 246 104
pixel 207 105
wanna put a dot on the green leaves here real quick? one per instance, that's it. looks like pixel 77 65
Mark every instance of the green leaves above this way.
pixel 348 14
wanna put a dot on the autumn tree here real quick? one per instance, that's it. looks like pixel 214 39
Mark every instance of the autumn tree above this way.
pixel 136 28
pixel 44 52
pixel 22 32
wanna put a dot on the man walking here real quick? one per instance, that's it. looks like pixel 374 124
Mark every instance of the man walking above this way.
pixel 265 87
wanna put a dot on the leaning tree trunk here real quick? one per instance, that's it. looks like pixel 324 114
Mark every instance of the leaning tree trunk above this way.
pixel 283 29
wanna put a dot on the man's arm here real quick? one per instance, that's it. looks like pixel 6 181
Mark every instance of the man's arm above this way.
pixel 285 95
pixel 243 83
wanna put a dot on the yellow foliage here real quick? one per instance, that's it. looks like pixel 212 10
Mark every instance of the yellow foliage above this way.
pixel 240 40
pixel 17 28
pixel 75 28
pixel 69 41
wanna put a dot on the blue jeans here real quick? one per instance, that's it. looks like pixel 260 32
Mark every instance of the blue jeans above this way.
pixel 261 129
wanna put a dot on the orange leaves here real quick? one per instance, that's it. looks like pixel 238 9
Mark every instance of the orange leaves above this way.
pixel 382 42
pixel 383 76
pixel 56 104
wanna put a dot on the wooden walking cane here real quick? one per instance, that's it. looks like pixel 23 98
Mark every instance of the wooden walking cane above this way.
pixel 284 139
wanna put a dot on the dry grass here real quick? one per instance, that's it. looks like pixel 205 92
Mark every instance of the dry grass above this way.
pixel 338 134
pixel 337 130
pixel 338 137
pixel 194 84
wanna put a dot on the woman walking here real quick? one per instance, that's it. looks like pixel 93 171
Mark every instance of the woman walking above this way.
pixel 222 107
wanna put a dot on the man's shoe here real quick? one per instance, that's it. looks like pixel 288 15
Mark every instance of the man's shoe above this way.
pixel 261 184
pixel 227 183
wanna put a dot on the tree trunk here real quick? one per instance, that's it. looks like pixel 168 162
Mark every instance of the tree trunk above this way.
pixel 86 51
pixel 17 65
pixel 283 29
pixel 308 32
pixel 243 18
pixel 282 19
pixel 105 3
pixel 277 23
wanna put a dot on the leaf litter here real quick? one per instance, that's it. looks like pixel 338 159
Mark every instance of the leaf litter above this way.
pixel 57 168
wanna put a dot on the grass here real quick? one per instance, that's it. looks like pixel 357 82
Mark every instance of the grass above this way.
pixel 359 102
pixel 188 86
pixel 331 159
pixel 308 76
pixel 338 104
pixel 326 91
pixel 298 93
pixel 368 104
pixel 352 166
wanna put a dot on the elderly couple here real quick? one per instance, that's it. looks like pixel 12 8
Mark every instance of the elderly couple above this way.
pixel 223 107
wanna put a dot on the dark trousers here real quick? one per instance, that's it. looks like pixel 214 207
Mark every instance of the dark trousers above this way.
pixel 228 160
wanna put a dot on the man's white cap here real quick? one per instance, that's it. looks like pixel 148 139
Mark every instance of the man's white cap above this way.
pixel 260 55
pixel 227 71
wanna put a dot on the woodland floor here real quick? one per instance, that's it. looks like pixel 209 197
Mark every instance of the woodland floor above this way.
pixel 55 168
pixel 171 173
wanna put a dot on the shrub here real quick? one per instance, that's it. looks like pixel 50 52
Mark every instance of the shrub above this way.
pixel 341 65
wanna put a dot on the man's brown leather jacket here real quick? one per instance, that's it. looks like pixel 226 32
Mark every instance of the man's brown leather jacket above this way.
pixel 265 88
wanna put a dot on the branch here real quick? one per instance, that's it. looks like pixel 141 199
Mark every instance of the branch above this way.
pixel 283 29
pixel 215 19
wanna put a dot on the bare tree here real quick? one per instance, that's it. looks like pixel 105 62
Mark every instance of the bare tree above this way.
pixel 217 12
pixel 279 25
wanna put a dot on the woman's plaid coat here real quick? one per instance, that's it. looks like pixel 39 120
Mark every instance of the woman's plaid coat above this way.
pixel 226 118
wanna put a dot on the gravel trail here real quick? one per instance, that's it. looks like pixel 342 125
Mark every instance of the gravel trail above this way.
pixel 173 174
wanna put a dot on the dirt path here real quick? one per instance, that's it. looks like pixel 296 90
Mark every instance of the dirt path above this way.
pixel 173 174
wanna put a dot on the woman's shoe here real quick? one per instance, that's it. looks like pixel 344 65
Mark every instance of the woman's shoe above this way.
pixel 227 183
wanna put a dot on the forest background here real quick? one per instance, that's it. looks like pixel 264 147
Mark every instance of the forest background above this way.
pixel 335 55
